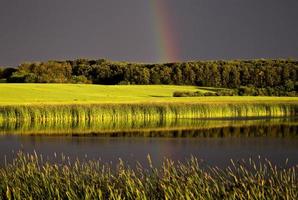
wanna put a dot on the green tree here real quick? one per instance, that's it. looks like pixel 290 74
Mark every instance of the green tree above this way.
pixel 166 75
pixel 289 85
pixel 214 77
pixel 155 75
pixel 188 75
pixel 1 72
pixel 234 78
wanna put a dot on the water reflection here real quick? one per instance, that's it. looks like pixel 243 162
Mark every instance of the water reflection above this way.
pixel 278 127
pixel 214 141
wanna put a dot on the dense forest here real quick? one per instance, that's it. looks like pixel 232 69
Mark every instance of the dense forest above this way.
pixel 254 77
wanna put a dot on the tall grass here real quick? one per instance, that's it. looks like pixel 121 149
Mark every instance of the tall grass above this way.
pixel 31 177
pixel 130 112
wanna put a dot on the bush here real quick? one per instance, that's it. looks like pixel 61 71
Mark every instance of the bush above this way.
pixel 247 91
pixel 207 94
pixel 187 94
pixel 226 93
pixel 80 80
pixel 269 91
pixel 124 83
pixel 183 94
pixel 292 94
pixel 199 94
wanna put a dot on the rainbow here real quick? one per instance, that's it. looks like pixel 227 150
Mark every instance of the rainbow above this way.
pixel 165 41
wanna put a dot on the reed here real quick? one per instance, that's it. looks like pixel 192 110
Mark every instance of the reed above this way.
pixel 99 113
pixel 32 177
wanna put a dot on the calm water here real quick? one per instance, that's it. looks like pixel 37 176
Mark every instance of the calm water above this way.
pixel 213 141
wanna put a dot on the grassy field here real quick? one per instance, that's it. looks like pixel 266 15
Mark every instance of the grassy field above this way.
pixel 11 94
pixel 32 177
pixel 67 103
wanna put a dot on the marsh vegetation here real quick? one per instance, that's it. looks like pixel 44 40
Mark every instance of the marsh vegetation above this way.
pixel 92 104
pixel 32 177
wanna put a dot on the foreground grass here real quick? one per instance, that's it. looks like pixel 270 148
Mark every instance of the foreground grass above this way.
pixel 30 177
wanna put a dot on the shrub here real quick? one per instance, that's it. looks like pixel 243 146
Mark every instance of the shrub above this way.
pixel 187 94
pixel 124 83
pixel 292 94
pixel 247 91
pixel 226 93
pixel 80 80
pixel 207 94
pixel 183 94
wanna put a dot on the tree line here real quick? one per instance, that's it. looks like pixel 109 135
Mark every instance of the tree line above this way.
pixel 275 75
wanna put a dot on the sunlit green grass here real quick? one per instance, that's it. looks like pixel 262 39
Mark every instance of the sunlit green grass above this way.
pixel 64 103
pixel 89 94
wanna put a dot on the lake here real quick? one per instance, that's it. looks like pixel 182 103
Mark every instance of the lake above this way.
pixel 214 141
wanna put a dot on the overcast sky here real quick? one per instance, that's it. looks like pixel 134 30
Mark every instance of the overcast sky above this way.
pixel 123 30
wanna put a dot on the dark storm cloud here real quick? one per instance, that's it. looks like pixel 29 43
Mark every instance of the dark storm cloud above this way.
pixel 123 30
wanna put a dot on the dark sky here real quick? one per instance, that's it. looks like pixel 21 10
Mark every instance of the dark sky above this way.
pixel 122 30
